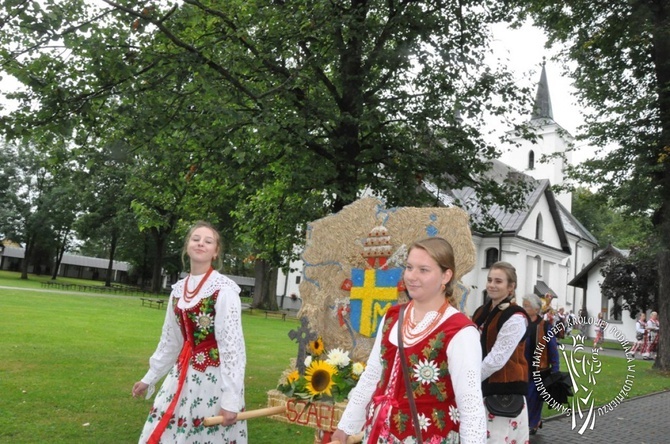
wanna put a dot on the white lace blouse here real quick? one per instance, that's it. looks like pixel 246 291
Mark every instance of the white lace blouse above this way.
pixel 227 330
pixel 464 357
pixel 511 332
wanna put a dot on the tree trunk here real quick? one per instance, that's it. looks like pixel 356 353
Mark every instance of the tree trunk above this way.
pixel 60 251
pixel 27 257
pixel 157 269
pixel 663 351
pixel 112 251
pixel 661 56
pixel 265 287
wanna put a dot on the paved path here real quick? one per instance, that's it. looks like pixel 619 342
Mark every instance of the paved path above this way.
pixel 641 420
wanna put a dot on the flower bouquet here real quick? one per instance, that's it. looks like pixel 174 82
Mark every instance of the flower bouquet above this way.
pixel 329 375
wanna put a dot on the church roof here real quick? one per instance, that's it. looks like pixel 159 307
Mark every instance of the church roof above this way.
pixel 509 222
pixel 573 226
pixel 603 256
pixel 542 107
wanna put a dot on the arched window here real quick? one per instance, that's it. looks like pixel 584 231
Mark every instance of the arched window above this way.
pixel 538 227
pixel 531 160
pixel 491 257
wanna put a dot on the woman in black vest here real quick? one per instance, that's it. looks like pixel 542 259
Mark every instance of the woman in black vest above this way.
pixel 503 324
pixel 542 357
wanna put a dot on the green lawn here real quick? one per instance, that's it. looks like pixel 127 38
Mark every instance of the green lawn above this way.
pixel 68 362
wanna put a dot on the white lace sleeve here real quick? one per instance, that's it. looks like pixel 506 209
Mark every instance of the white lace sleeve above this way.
pixel 353 418
pixel 508 338
pixel 167 351
pixel 230 339
pixel 464 357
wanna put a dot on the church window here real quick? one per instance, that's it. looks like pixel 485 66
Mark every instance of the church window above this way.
pixel 531 160
pixel 491 257
pixel 538 227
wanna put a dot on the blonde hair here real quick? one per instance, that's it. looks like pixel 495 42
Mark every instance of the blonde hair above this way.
pixel 217 263
pixel 509 271
pixel 442 252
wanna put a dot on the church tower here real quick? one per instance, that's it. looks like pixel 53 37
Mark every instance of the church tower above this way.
pixel 527 156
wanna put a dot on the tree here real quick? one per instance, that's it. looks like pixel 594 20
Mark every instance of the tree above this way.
pixel 255 101
pixel 608 224
pixel 36 211
pixel 107 216
pixel 621 67
pixel 632 280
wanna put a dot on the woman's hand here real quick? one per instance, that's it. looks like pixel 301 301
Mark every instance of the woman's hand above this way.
pixel 229 418
pixel 139 389
pixel 340 436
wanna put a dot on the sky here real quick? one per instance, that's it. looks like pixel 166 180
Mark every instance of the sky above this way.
pixel 524 47
pixel 525 50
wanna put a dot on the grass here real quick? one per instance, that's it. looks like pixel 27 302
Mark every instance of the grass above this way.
pixel 68 362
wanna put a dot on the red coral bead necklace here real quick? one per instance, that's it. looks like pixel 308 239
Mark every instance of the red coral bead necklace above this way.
pixel 409 325
pixel 190 294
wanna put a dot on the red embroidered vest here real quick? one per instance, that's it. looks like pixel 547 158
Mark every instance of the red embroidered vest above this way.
pixel 429 377
pixel 197 327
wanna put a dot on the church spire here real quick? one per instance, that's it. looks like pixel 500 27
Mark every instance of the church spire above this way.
pixel 542 106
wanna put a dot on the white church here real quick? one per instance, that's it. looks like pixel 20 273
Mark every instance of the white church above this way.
pixel 550 249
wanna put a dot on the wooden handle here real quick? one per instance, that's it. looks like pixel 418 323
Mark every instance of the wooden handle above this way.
pixel 250 414
pixel 353 439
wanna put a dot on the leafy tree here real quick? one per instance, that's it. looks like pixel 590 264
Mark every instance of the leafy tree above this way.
pixel 36 211
pixel 621 67
pixel 106 201
pixel 632 280
pixel 261 107
pixel 608 224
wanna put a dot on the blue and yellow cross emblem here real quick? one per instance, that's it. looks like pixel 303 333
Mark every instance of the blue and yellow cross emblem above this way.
pixel 373 292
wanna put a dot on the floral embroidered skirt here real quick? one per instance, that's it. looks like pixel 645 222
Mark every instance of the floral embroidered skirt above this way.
pixel 507 430
pixel 199 399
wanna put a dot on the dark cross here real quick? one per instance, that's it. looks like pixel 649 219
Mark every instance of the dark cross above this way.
pixel 302 336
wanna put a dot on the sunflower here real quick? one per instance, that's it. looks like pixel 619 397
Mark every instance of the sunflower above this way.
pixel 293 376
pixel 319 378
pixel 316 347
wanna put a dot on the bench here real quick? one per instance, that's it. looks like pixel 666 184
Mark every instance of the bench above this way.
pixel 150 302
pixel 275 314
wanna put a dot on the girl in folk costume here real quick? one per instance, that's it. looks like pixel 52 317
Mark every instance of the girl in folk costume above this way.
pixel 541 355
pixel 442 360
pixel 201 350
pixel 640 333
pixel 503 324
pixel 651 340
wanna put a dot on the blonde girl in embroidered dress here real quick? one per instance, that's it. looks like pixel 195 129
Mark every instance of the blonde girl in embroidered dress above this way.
pixel 201 350
pixel 441 349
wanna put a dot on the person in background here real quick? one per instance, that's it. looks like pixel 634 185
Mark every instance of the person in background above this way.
pixel 442 353
pixel 503 325
pixel 201 350
pixel 561 323
pixel 542 357
pixel 600 333
pixel 572 322
pixel 651 341
pixel 640 333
